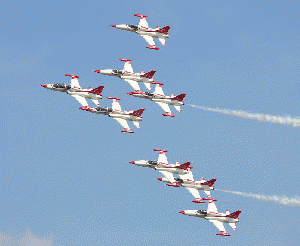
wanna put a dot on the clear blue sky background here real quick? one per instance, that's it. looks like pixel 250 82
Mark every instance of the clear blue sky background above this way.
pixel 65 174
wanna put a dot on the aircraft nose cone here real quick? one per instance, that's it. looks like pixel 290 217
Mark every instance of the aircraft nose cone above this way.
pixel 132 162
pixel 113 25
pixel 130 93
pixel 97 71
pixel 45 86
pixel 182 212
pixel 160 179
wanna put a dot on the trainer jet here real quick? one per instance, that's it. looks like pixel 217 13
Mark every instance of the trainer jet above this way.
pixel 216 218
pixel 77 92
pixel 120 116
pixel 162 165
pixel 129 76
pixel 163 101
pixel 187 181
pixel 147 33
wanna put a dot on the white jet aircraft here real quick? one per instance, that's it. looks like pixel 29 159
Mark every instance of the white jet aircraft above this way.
pixel 162 165
pixel 147 33
pixel 77 92
pixel 163 101
pixel 187 181
pixel 129 76
pixel 216 218
pixel 121 116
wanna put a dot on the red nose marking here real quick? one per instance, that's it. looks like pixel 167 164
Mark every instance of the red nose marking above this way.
pixel 160 179
pixel 45 86
pixel 182 212
pixel 97 71
pixel 132 162
pixel 113 25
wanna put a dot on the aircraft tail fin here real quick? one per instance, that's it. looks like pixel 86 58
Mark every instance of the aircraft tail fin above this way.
pixel 164 30
pixel 179 97
pixel 210 182
pixel 185 166
pixel 97 90
pixel 138 113
pixel 235 214
pixel 149 75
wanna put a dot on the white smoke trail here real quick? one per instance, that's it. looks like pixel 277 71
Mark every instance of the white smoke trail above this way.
pixel 286 120
pixel 282 200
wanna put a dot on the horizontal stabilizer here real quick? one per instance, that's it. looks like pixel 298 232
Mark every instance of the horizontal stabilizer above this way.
pixel 179 97
pixel 235 214
pixel 149 75
pixel 225 234
pixel 97 90
pixel 138 113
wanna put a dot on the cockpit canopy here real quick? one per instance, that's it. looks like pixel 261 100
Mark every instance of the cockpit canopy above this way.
pixel 116 71
pixel 179 180
pixel 201 211
pixel 149 93
pixel 152 162
pixel 63 86
pixel 133 26
pixel 104 109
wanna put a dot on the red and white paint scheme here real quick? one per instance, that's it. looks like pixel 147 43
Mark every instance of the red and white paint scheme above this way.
pixel 163 101
pixel 120 116
pixel 129 76
pixel 162 165
pixel 187 181
pixel 147 33
pixel 77 92
pixel 216 218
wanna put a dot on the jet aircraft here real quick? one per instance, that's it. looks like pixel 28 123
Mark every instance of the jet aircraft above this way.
pixel 147 33
pixel 77 92
pixel 162 165
pixel 193 186
pixel 129 76
pixel 216 218
pixel 120 116
pixel 163 101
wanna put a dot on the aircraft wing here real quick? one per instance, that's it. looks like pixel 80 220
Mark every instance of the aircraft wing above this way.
pixel 143 23
pixel 168 176
pixel 188 175
pixel 164 106
pixel 158 90
pixel 149 40
pixel 207 192
pixel 75 83
pixel 122 122
pixel 128 67
pixel 116 105
pixel 194 192
pixel 133 84
pixel 211 208
pixel 81 100
pixel 162 158
pixel 218 224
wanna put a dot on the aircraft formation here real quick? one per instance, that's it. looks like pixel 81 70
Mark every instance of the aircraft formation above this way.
pixel 185 178
pixel 187 181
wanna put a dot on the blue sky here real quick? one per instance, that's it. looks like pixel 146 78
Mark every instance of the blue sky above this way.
pixel 65 176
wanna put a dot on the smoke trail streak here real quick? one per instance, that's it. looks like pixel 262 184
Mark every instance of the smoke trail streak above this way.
pixel 282 200
pixel 286 120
